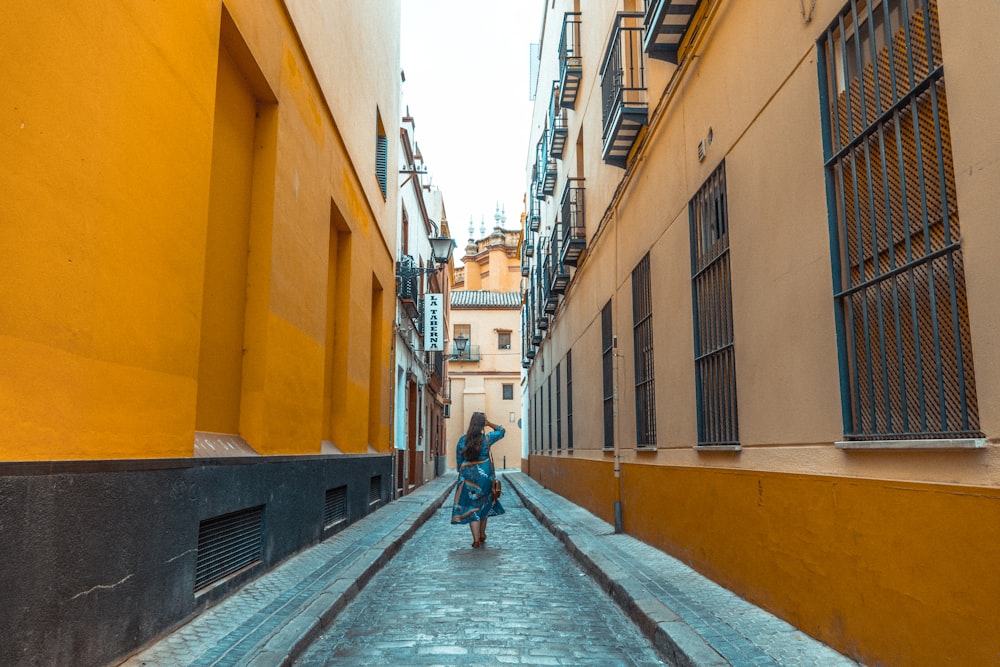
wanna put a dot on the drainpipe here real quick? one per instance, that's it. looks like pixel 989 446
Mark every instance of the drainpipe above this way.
pixel 618 510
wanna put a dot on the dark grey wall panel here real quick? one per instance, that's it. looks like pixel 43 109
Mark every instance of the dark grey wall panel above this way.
pixel 97 558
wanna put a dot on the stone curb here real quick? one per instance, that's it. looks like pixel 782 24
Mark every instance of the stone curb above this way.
pixel 677 642
pixel 302 627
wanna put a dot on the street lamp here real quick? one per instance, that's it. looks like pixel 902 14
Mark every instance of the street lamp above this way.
pixel 461 342
pixel 441 249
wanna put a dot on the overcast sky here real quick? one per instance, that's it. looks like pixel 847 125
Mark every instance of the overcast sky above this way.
pixel 467 87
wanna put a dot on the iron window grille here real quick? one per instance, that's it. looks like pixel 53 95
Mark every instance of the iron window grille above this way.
pixel 569 399
pixel 899 286
pixel 558 408
pixel 508 392
pixel 549 411
pixel 711 289
pixel 608 366
pixel 642 335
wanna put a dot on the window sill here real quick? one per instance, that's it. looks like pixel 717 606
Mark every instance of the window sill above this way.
pixel 938 444
pixel 718 448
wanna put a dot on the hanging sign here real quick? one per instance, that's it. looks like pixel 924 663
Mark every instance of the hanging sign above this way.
pixel 433 322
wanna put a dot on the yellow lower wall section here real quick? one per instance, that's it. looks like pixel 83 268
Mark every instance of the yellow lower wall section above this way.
pixel 83 408
pixel 892 573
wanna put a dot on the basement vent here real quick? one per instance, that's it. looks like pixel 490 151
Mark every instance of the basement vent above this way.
pixel 375 492
pixel 228 543
pixel 335 507
pixel 702 150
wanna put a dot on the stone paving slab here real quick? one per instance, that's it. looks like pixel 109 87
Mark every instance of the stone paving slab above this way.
pixel 690 619
pixel 272 619
pixel 520 599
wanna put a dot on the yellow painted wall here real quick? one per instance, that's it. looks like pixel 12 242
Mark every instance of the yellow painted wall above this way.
pixel 858 563
pixel 889 572
pixel 128 143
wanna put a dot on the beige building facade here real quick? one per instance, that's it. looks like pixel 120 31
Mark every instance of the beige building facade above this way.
pixel 760 330
pixel 486 310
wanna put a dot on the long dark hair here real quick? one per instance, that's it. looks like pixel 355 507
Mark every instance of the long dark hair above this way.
pixel 474 437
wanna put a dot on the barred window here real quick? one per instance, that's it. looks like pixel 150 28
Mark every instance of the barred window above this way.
pixel 508 392
pixel 642 336
pixel 549 410
pixel 608 365
pixel 714 341
pixel 569 399
pixel 558 407
pixel 901 311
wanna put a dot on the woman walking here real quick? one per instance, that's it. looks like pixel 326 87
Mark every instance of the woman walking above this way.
pixel 474 502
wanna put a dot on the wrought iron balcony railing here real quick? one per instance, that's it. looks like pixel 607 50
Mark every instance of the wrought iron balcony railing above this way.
pixel 570 60
pixel 408 289
pixel 623 88
pixel 534 209
pixel 573 221
pixel 470 353
pixel 667 23
pixel 560 276
pixel 558 124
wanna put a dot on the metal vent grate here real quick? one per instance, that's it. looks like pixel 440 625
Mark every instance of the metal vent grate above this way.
pixel 228 543
pixel 335 507
pixel 375 491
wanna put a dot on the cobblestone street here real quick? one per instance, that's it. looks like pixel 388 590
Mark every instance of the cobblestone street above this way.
pixel 520 600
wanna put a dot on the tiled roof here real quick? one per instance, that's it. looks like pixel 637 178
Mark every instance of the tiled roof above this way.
pixel 485 299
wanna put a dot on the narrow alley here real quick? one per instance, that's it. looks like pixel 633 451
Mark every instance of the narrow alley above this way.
pixel 404 587
pixel 519 600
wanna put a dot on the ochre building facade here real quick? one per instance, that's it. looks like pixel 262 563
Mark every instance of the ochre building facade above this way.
pixel 198 226
pixel 760 324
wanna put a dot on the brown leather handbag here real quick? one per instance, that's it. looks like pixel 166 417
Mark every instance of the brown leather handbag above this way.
pixel 497 488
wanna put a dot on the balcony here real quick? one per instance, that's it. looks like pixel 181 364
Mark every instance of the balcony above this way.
pixel 545 168
pixel 558 124
pixel 470 353
pixel 560 276
pixel 534 210
pixel 623 89
pixel 408 289
pixel 573 222
pixel 667 23
pixel 570 60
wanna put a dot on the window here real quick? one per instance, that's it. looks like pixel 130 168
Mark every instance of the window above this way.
pixel 608 365
pixel 558 408
pixel 714 355
pixel 503 340
pixel 569 400
pixel 642 335
pixel 381 154
pixel 549 410
pixel 901 311
pixel 508 392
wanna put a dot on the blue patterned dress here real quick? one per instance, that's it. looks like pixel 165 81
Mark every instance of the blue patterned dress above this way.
pixel 474 497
